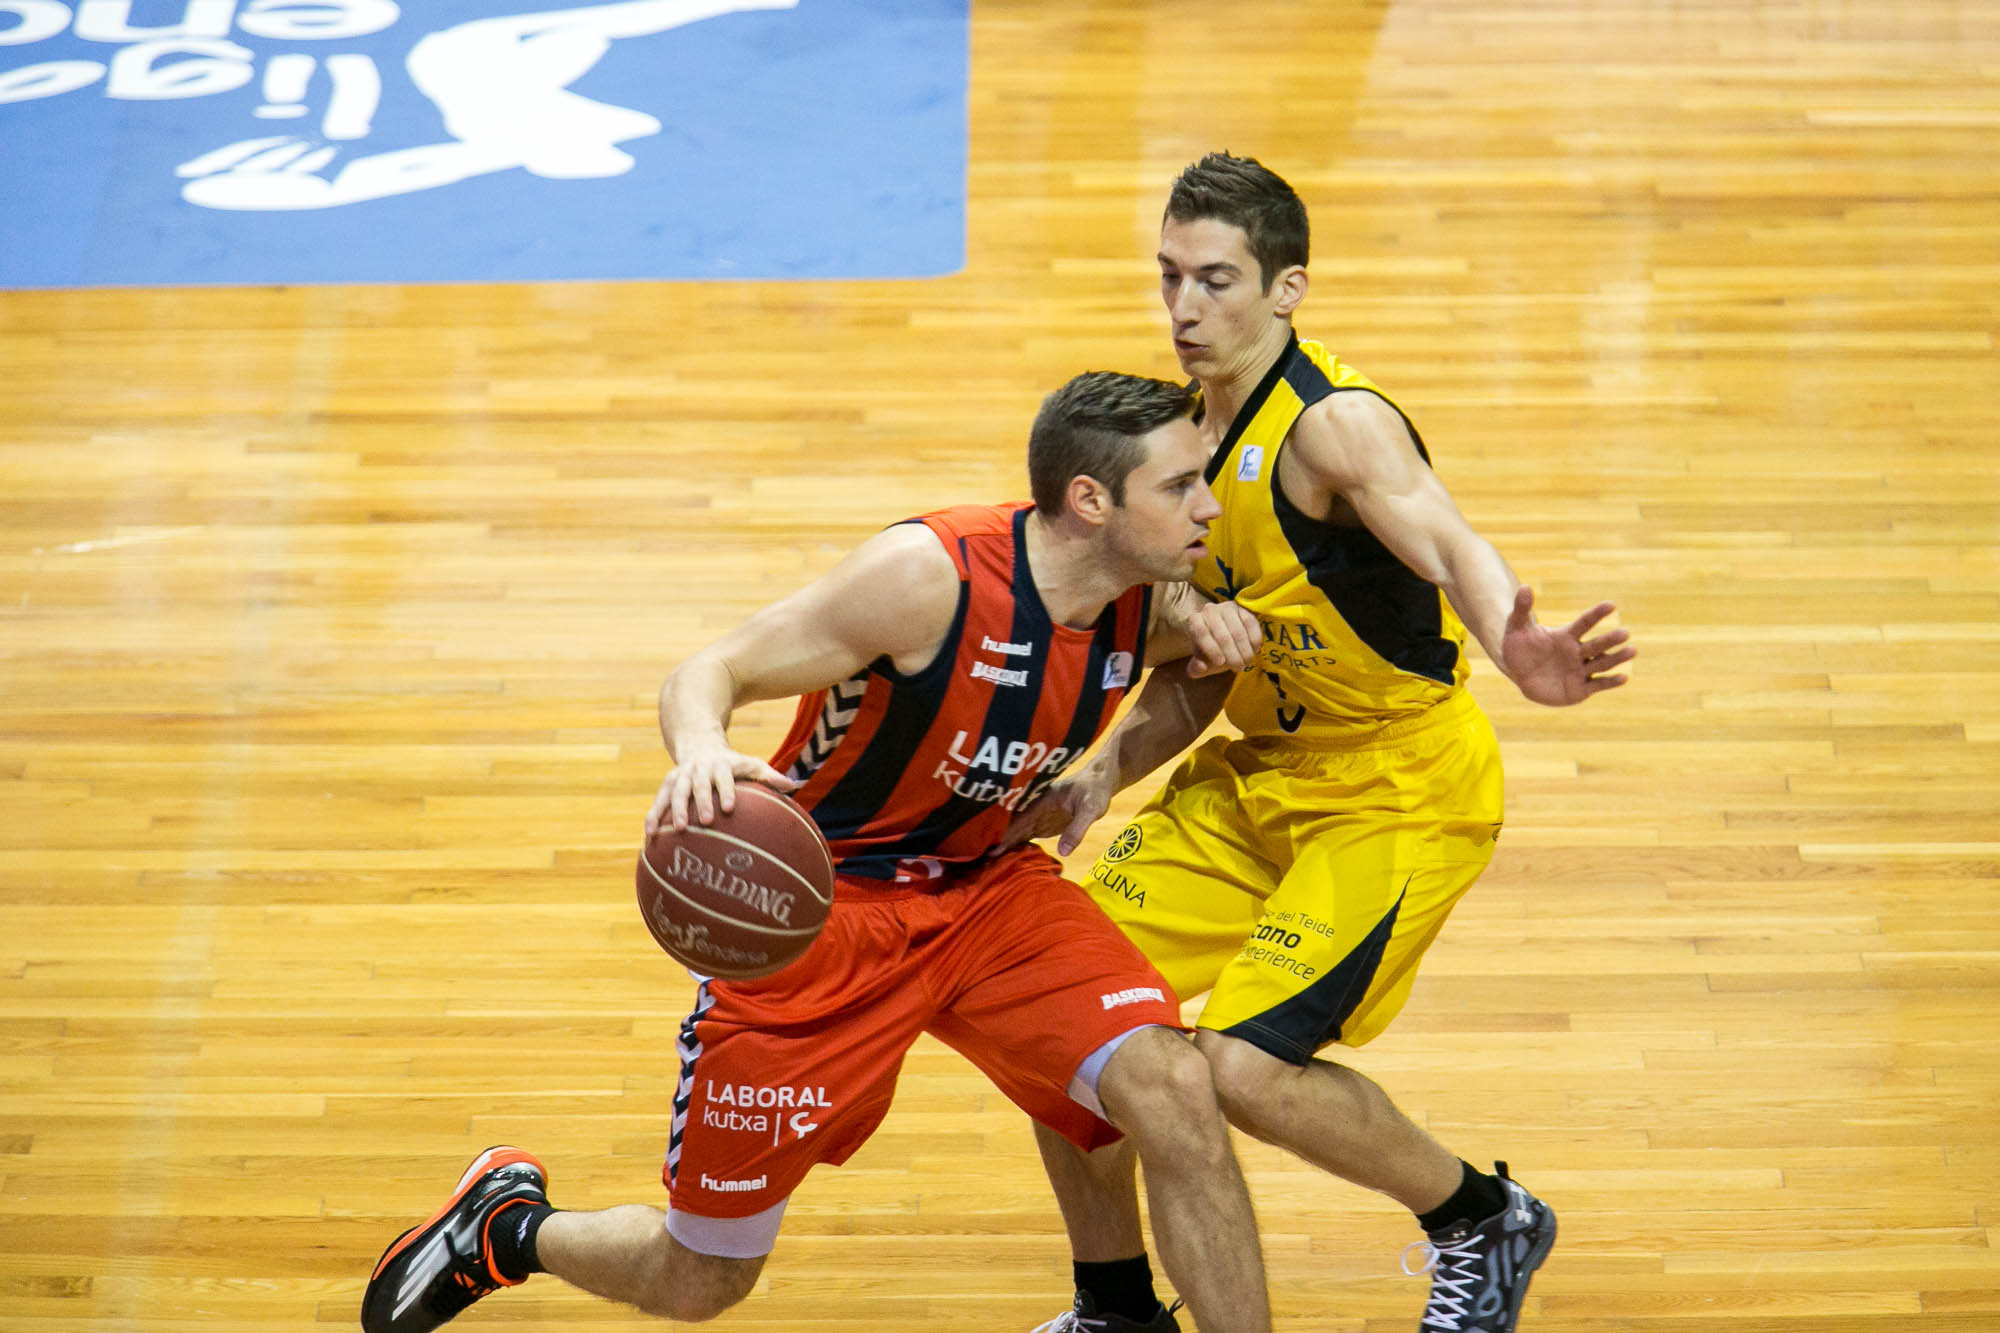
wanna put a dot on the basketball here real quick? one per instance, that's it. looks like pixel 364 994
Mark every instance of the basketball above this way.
pixel 741 897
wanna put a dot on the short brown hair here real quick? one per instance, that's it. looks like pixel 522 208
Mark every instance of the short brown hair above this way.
pixel 1245 193
pixel 1091 427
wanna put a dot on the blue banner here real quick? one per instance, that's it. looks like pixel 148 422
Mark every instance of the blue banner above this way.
pixel 169 142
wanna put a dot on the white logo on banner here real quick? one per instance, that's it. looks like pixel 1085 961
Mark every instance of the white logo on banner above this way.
pixel 501 86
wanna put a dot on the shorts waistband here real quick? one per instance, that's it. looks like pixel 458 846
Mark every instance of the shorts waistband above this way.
pixel 952 877
pixel 1333 737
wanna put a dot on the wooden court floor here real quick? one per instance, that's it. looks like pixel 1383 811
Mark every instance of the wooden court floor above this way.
pixel 331 619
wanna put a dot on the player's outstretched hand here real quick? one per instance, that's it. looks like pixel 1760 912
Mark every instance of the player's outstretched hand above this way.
pixel 1559 666
pixel 705 780
pixel 1225 637
pixel 1068 808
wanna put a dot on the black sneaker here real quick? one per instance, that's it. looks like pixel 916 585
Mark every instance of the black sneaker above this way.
pixel 1083 1318
pixel 1480 1271
pixel 432 1272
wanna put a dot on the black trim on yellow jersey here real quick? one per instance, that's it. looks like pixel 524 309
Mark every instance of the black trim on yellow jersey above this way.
pixel 1248 412
pixel 1309 382
pixel 1388 606
pixel 1392 609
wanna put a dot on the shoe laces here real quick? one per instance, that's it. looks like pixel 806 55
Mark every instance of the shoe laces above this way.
pixel 1455 1276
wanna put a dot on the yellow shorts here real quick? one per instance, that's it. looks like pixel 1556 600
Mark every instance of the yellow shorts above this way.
pixel 1302 887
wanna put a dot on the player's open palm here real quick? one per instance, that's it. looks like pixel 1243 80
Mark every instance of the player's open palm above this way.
pixel 1560 666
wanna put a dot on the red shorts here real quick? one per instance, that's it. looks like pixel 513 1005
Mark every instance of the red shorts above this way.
pixel 1011 965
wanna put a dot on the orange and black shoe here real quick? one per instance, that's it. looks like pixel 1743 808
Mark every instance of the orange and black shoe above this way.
pixel 432 1272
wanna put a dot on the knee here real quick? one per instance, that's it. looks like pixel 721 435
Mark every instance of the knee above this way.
pixel 1157 1084
pixel 1248 1081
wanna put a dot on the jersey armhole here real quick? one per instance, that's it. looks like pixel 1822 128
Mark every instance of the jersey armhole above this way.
pixel 1283 505
pixel 953 543
pixel 939 666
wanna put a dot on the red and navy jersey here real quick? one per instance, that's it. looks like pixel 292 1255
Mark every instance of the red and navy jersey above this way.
pixel 910 775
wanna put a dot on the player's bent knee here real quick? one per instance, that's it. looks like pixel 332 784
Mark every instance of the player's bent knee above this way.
pixel 1158 1084
pixel 1247 1078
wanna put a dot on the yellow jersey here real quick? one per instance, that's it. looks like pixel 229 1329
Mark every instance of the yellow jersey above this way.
pixel 1352 637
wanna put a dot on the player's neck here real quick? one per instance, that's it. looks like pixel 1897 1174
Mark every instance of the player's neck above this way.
pixel 1224 394
pixel 1069 573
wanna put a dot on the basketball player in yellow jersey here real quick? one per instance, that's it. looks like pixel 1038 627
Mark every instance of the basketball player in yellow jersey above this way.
pixel 1299 872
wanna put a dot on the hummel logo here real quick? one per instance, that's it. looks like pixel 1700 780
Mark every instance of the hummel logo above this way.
pixel 1010 649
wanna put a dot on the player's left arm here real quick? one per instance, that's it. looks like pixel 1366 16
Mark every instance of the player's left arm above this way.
pixel 1357 446
pixel 1170 713
pixel 1194 647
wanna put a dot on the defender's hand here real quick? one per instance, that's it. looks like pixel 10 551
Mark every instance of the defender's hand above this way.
pixel 1558 667
pixel 1225 637
pixel 1070 807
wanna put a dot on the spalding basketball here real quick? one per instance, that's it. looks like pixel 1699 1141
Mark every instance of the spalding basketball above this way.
pixel 743 896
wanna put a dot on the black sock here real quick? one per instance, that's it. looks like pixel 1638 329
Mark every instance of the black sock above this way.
pixel 513 1239
pixel 1477 1198
pixel 1123 1287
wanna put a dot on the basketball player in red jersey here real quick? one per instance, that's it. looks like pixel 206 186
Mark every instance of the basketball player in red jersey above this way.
pixel 950 669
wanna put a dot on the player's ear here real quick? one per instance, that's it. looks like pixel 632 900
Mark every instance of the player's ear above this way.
pixel 1089 499
pixel 1291 287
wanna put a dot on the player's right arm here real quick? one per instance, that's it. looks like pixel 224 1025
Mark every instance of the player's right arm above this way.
pixel 1357 447
pixel 893 597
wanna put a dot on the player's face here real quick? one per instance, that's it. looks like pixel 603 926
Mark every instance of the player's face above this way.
pixel 1162 528
pixel 1216 297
